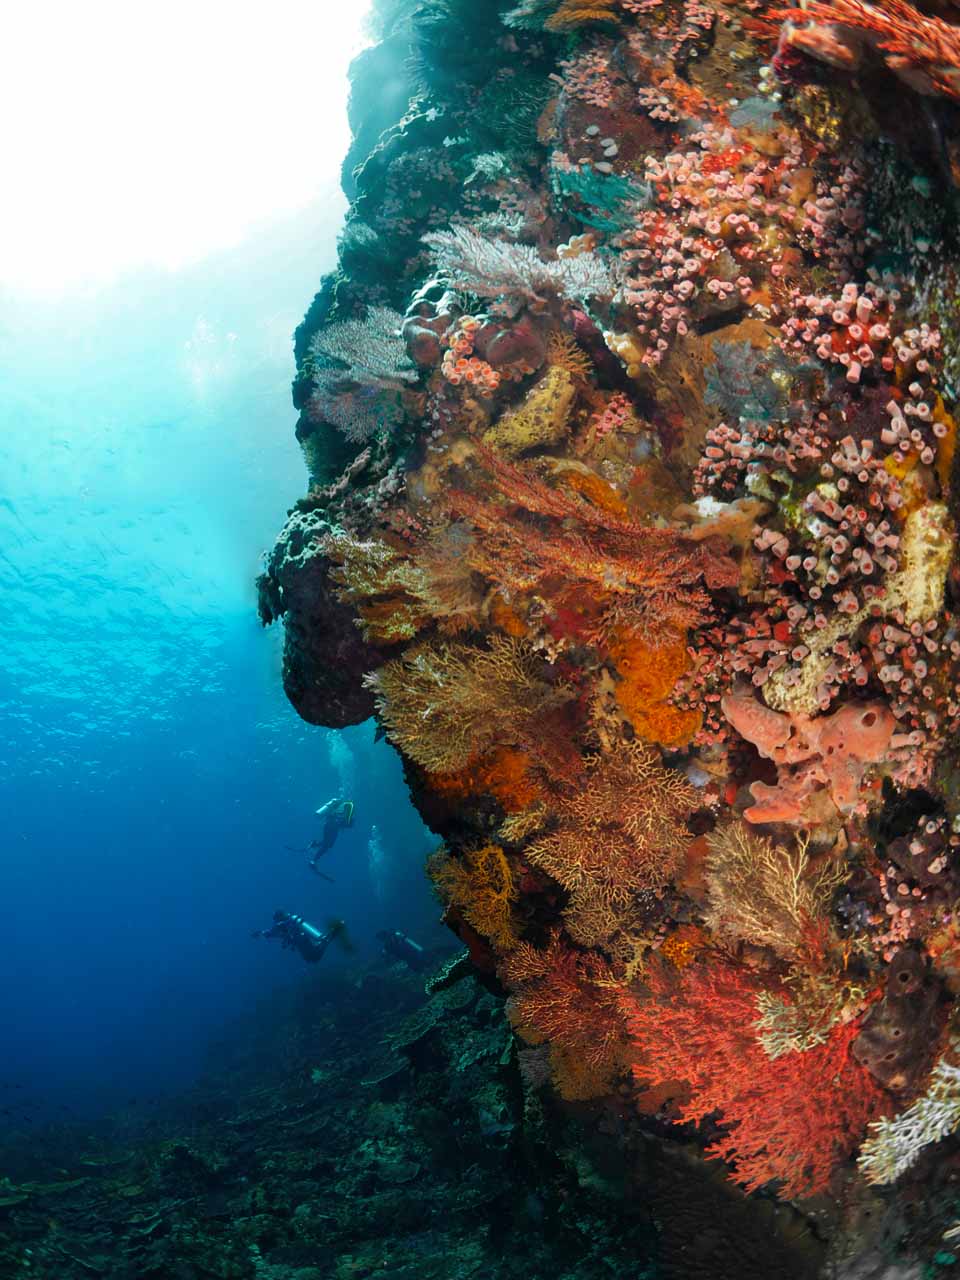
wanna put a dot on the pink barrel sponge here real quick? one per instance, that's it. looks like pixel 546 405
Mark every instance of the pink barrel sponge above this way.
pixel 820 762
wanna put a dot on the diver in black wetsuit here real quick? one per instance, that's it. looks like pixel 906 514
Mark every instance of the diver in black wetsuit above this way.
pixel 398 946
pixel 336 815
pixel 296 935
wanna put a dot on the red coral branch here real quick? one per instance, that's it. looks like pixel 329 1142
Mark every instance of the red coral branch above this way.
pixel 567 997
pixel 792 1118
pixel 652 578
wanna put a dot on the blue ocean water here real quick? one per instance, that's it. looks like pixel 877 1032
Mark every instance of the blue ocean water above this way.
pixel 151 772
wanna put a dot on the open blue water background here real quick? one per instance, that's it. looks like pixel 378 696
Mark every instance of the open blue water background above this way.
pixel 151 771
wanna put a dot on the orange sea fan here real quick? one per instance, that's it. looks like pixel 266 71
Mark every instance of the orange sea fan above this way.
pixel 574 13
pixel 563 350
pixel 531 538
pixel 566 997
pixel 445 703
pixel 481 883
pixel 922 49
pixel 621 830
pixel 576 1079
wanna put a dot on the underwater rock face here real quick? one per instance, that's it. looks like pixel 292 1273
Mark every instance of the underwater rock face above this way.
pixel 629 417
pixel 324 659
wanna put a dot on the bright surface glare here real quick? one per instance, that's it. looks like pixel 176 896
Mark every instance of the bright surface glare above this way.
pixel 141 134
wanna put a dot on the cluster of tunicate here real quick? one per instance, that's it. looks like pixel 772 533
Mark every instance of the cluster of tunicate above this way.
pixel 459 364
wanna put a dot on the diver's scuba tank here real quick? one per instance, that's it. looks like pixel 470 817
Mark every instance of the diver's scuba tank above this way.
pixel 307 930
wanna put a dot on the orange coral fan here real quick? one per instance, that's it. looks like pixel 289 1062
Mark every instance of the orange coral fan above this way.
pixel 577 1080
pixel 795 1116
pixel 648 674
pixel 619 831
pixel 443 703
pixel 503 774
pixel 563 350
pixel 395 597
pixel 574 13
pixel 481 884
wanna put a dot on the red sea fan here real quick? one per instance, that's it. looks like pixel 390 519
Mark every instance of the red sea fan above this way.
pixel 564 996
pixel 792 1118
pixel 923 50
pixel 531 537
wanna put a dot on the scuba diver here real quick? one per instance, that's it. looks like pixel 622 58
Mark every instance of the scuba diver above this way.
pixel 336 815
pixel 296 934
pixel 397 946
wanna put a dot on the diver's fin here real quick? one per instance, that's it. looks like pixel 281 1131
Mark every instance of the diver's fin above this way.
pixel 338 930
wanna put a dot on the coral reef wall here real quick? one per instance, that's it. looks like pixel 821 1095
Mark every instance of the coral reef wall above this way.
pixel 629 421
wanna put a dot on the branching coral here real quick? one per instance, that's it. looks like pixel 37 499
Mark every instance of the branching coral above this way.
pixel 894 1145
pixel 481 883
pixel 444 704
pixel 793 1117
pixel 563 353
pixel 574 13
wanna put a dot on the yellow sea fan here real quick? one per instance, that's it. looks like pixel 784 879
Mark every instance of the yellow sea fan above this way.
pixel 576 1079
pixel 564 352
pixel 573 13
pixel 764 893
pixel 481 883
pixel 446 704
